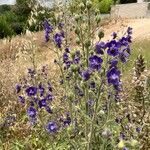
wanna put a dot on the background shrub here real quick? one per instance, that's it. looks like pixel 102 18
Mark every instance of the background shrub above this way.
pixel 5 28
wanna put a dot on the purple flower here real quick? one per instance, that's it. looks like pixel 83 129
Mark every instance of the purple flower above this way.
pixel 52 127
pixel 49 97
pixel 122 135
pixel 113 62
pixel 21 99
pixel 41 89
pixel 31 72
pixel 31 91
pixel 124 41
pixel 67 120
pixel 129 30
pixel 92 85
pixel 95 62
pixel 123 56
pixel 68 63
pixel 67 50
pixel 48 29
pixel 99 48
pixel 125 148
pixel 113 76
pixel 138 129
pixel 114 35
pixel 31 112
pixel 90 102
pixel 48 109
pixel 60 25
pixel 42 103
pixel 65 57
pixel 86 75
pixel 58 40
pixel 18 88
pixel 113 48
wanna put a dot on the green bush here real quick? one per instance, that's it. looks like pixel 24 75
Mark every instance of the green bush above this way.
pixel 104 5
pixel 4 8
pixel 5 29
pixel 17 27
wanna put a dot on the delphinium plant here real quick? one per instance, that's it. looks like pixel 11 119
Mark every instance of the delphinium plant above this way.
pixel 91 78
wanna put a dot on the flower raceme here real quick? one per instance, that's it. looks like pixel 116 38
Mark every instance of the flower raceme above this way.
pixel 37 96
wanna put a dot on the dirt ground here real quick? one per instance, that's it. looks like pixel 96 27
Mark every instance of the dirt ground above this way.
pixel 141 28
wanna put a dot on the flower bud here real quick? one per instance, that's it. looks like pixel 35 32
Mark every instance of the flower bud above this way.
pixel 98 19
pixel 100 34
pixel 77 31
pixel 74 68
pixel 70 95
pixel 77 17
pixel 81 6
pixel 78 41
pixel 97 11
pixel 87 43
pixel 88 4
pixel 121 144
pixel 134 143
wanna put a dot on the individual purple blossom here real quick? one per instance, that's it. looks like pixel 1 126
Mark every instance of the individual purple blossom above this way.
pixel 65 57
pixel 123 56
pixel 122 135
pixel 86 75
pixel 18 88
pixel 67 50
pixel 31 72
pixel 48 109
pixel 52 127
pixel 42 103
pixel 113 63
pixel 31 111
pixel 124 41
pixel 99 48
pixel 129 30
pixel 58 39
pixel 113 76
pixel 67 120
pixel 92 84
pixel 60 25
pixel 114 35
pixel 68 64
pixel 138 129
pixel 21 99
pixel 31 91
pixel 125 148
pixel 49 97
pixel 41 89
pixel 90 102
pixel 95 62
